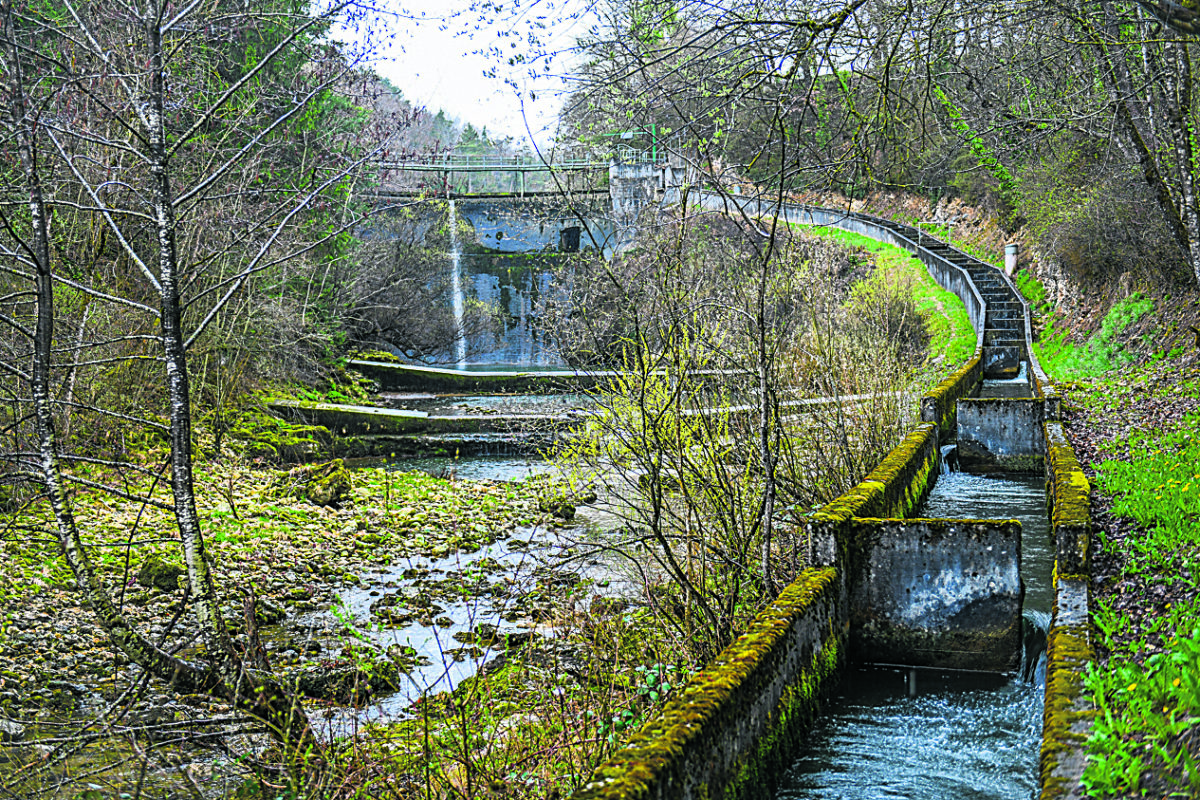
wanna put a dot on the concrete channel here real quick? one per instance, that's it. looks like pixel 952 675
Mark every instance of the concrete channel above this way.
pixel 887 586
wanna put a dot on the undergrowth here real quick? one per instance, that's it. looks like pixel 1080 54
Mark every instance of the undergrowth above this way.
pixel 1147 708
pixel 1146 735
pixel 1065 360
pixel 952 338
pixel 1160 488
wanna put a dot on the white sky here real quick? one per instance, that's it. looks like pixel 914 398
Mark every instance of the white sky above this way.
pixel 431 57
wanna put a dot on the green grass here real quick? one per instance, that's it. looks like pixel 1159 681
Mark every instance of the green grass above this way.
pixel 950 331
pixel 1145 707
pixel 1147 698
pixel 1064 360
pixel 1159 487
pixel 1030 287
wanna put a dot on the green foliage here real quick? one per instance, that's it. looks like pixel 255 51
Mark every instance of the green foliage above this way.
pixel 951 336
pixel 1159 486
pixel 1146 709
pixel 1030 287
pixel 1065 360
pixel 983 154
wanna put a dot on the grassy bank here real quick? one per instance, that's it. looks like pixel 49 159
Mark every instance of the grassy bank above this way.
pixel 1138 436
pixel 952 339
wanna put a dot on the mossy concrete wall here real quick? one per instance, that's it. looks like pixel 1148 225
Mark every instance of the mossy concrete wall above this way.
pixel 1002 434
pixel 1068 492
pixel 734 728
pixel 396 376
pixel 350 420
pixel 1067 715
pixel 893 490
pixel 938 593
pixel 941 405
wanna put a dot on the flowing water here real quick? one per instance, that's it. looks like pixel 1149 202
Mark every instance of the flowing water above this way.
pixel 932 734
pixel 457 302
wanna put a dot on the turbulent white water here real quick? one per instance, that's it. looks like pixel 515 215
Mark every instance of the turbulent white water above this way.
pixel 928 734
pixel 456 290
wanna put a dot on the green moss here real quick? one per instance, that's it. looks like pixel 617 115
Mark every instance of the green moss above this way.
pixel 940 405
pixel 1067 717
pixel 258 435
pixel 758 775
pixel 894 488
pixel 159 574
pixel 1069 496
pixel 694 727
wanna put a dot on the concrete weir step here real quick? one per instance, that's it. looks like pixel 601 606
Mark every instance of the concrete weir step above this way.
pixel 999 337
pixel 353 420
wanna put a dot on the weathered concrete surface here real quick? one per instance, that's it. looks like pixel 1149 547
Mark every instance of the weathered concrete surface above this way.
pixel 1070 506
pixel 894 489
pixel 394 376
pixel 735 727
pixel 938 593
pixel 367 420
pixel 1002 434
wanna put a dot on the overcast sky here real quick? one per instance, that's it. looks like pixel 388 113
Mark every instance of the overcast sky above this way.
pixel 432 57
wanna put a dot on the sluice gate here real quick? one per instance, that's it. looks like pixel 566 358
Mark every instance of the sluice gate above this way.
pixel 887 586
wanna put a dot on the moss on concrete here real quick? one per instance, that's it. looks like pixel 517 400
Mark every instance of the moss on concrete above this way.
pixel 1067 714
pixel 940 405
pixel 696 745
pixel 1070 509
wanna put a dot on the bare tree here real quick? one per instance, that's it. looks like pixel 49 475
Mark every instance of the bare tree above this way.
pixel 203 144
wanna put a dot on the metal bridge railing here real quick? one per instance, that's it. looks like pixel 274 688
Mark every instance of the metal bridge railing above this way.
pixel 490 164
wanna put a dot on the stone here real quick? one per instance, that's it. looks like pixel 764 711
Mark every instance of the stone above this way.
pixel 268 612
pixel 158 574
pixel 11 731
pixel 328 484
pixel 351 678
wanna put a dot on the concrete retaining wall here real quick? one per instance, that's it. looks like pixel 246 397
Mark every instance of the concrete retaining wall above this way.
pixel 940 406
pixel 1001 434
pixel 349 420
pixel 734 728
pixel 893 490
pixel 1066 719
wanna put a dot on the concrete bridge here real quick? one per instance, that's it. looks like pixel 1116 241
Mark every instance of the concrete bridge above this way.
pixel 488 177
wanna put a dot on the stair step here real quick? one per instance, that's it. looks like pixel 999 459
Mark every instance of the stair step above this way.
pixel 1016 324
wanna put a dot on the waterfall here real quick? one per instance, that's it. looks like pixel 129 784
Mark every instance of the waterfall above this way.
pixel 456 293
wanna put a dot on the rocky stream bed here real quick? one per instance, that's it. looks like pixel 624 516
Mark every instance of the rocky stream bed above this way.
pixel 390 588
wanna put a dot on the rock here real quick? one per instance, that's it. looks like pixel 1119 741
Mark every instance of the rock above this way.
pixel 321 484
pixel 158 574
pixel 508 725
pixel 11 731
pixel 351 679
pixel 268 612
pixel 556 506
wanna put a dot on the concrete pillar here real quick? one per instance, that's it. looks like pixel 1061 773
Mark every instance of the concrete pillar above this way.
pixel 1010 258
pixel 631 188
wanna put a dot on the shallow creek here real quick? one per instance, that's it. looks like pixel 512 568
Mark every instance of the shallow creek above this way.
pixel 930 734
pixel 456 606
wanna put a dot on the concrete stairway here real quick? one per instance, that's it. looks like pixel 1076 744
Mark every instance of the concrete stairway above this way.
pixel 1004 328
